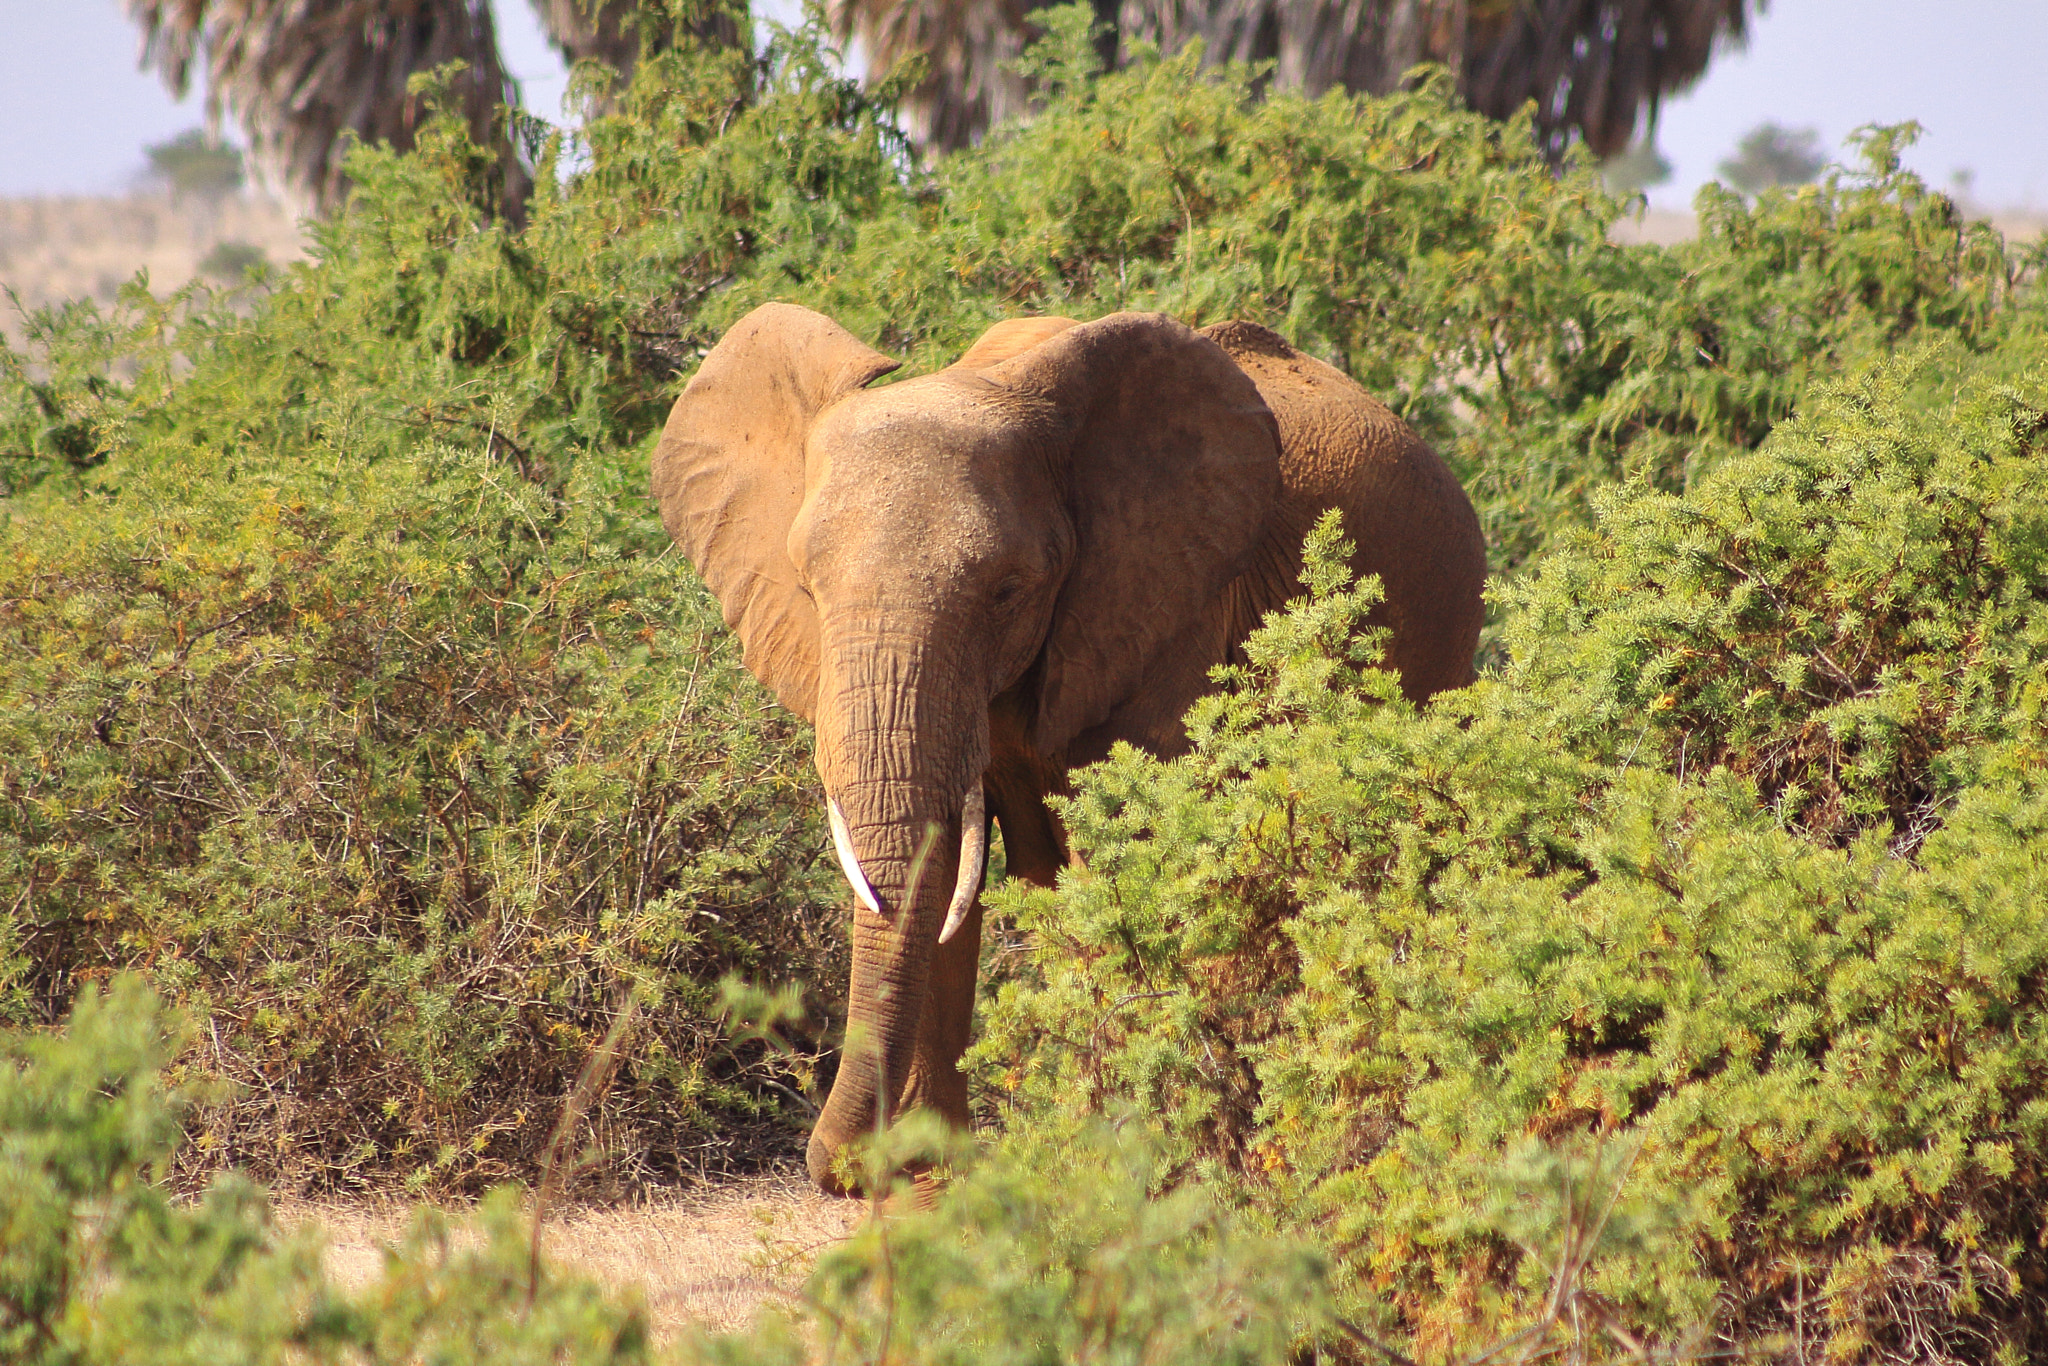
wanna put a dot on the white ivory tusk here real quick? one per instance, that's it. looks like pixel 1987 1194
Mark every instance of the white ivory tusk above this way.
pixel 849 862
pixel 973 859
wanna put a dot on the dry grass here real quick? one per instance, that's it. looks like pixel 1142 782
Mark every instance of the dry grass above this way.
pixel 1666 227
pixel 88 247
pixel 706 1260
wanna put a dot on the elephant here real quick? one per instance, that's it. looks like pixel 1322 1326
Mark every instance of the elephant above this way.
pixel 974 581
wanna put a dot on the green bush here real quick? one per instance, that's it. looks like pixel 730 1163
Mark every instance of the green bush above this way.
pixel 404 797
pixel 1843 618
pixel 1668 885
pixel 1045 1248
pixel 1435 256
pixel 352 690
pixel 1053 1252
pixel 101 1265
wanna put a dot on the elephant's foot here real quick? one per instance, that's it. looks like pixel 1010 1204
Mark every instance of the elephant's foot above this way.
pixel 822 1158
pixel 944 1094
pixel 921 1193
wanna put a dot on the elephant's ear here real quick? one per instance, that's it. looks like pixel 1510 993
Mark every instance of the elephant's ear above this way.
pixel 1173 471
pixel 729 477
pixel 1011 337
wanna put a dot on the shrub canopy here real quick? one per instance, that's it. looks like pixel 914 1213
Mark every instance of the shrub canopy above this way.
pixel 1724 891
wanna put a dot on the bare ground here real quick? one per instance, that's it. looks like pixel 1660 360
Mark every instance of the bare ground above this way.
pixel 708 1260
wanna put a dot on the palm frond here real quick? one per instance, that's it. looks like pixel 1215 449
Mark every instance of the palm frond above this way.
pixel 300 73
pixel 594 30
pixel 1593 67
pixel 968 45
pixel 614 32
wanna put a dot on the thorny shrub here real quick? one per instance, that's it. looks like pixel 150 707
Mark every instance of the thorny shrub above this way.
pixel 102 1265
pixel 1838 617
pixel 404 798
pixel 1666 884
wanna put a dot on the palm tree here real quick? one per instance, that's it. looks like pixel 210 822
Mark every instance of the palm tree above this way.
pixel 968 47
pixel 615 32
pixel 1592 66
pixel 300 73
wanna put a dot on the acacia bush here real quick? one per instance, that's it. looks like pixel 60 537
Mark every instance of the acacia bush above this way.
pixel 1845 618
pixel 101 1265
pixel 1725 889
pixel 405 799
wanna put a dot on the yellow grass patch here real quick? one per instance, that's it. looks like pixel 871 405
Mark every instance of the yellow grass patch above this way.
pixel 708 1259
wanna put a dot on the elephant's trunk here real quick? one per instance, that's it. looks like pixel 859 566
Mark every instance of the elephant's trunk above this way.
pixel 902 740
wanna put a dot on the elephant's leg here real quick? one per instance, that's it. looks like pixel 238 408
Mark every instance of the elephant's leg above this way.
pixel 1033 850
pixel 1034 846
pixel 936 1082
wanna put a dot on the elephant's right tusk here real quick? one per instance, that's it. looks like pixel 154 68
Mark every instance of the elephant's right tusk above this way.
pixel 849 862
pixel 973 860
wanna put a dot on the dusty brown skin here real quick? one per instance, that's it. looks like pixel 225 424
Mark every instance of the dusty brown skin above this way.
pixel 987 576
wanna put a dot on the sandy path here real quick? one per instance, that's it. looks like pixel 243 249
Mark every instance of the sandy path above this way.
pixel 709 1259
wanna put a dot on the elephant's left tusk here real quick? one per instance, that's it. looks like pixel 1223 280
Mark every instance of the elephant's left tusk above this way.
pixel 849 862
pixel 973 859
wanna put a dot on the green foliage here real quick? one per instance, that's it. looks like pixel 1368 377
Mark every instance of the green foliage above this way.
pixel 1665 885
pixel 69 398
pixel 1774 295
pixel 402 794
pixel 1436 257
pixel 351 691
pixel 1051 1250
pixel 1842 618
pixel 1046 1249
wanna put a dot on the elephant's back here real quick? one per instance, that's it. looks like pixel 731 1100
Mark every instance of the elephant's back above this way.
pixel 1406 515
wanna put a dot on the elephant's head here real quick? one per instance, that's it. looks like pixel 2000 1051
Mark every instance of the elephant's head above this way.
pixel 1048 522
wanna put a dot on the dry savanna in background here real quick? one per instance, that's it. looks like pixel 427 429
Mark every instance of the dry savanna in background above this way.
pixel 54 249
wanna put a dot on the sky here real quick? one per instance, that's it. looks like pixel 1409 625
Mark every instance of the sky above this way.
pixel 75 113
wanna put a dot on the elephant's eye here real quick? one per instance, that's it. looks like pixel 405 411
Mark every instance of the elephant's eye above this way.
pixel 1009 590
